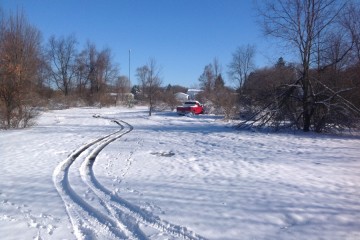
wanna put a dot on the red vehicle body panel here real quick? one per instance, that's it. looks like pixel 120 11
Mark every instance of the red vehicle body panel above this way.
pixel 193 107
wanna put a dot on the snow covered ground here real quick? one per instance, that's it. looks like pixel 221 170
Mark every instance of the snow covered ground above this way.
pixel 78 174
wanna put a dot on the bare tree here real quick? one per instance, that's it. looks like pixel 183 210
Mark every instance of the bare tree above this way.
pixel 20 62
pixel 228 103
pixel 169 97
pixel 153 83
pixel 208 77
pixel 218 92
pixel 217 68
pixel 122 88
pixel 224 99
pixel 141 74
pixel 106 74
pixel 107 70
pixel 259 97
pixel 91 54
pixel 242 64
pixel 62 54
pixel 304 24
pixel 82 74
pixel 217 98
pixel 150 81
pixel 94 72
pixel 207 80
pixel 351 21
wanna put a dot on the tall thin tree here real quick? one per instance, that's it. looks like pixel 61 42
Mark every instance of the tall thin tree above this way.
pixel 150 80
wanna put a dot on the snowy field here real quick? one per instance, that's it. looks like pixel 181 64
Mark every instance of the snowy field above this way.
pixel 78 174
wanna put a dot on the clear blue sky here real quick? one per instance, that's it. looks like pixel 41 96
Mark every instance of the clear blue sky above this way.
pixel 181 35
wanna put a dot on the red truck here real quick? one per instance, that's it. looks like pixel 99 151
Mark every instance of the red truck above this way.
pixel 190 107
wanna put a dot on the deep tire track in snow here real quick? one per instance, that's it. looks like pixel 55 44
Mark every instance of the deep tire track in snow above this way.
pixel 122 218
pixel 87 221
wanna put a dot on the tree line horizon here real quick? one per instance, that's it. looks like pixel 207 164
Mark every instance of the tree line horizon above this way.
pixel 320 92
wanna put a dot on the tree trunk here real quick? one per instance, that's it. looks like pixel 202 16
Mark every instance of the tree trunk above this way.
pixel 150 104
pixel 306 117
pixel 307 104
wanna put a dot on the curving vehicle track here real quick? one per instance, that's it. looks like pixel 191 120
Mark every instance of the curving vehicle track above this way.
pixel 105 215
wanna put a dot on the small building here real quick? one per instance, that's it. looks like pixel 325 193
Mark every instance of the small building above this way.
pixel 192 93
pixel 181 97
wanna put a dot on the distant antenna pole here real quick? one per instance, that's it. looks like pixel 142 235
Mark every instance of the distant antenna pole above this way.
pixel 129 65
